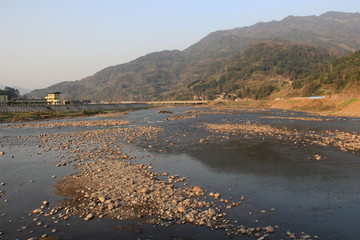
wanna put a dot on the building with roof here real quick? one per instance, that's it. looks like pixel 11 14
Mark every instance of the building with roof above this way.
pixel 53 98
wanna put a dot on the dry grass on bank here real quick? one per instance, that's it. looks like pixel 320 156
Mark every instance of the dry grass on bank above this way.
pixel 332 106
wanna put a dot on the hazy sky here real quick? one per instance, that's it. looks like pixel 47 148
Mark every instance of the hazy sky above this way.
pixel 43 42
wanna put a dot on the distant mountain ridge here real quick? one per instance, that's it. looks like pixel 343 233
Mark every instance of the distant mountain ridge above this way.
pixel 21 90
pixel 157 75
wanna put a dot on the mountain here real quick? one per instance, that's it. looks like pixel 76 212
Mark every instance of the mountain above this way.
pixel 142 79
pixel 21 90
pixel 158 75
pixel 264 66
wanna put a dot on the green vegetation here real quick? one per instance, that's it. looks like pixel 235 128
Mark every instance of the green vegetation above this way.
pixel 342 75
pixel 12 93
pixel 261 69
pixel 349 102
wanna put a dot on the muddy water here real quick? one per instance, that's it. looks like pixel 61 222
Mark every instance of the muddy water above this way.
pixel 283 185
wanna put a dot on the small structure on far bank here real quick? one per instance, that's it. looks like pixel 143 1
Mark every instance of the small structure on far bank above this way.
pixel 53 98
pixel 4 99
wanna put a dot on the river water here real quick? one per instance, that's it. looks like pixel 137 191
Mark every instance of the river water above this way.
pixel 283 185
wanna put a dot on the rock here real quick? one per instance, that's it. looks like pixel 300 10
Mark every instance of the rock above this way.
pixel 38 211
pixel 187 202
pixel 197 189
pixel 102 199
pixel 88 217
pixel 181 209
pixel 289 234
pixel 2 153
pixel 217 195
pixel 317 157
pixel 269 229
pixel 45 203
pixel 164 111
pixel 145 190
pixel 211 212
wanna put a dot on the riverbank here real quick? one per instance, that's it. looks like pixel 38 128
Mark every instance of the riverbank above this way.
pixel 21 113
pixel 47 115
pixel 219 173
pixel 341 107
pixel 106 188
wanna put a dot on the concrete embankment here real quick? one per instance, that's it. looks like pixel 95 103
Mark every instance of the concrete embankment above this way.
pixel 72 107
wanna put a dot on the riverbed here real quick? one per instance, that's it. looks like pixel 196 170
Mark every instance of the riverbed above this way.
pixel 293 172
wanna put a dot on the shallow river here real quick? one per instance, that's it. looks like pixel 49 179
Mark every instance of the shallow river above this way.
pixel 282 183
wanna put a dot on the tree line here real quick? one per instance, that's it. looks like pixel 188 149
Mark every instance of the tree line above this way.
pixel 12 93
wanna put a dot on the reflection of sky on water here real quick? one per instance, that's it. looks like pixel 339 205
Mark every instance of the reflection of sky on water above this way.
pixel 322 197
pixel 319 197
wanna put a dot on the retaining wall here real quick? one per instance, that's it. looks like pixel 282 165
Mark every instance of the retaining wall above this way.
pixel 71 107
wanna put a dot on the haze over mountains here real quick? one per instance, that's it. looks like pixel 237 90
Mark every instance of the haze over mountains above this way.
pixel 21 90
pixel 196 70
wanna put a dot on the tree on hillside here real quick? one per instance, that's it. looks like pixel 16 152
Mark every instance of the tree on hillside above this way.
pixel 12 93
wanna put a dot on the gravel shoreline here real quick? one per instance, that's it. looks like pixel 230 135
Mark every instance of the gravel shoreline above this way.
pixel 110 185
pixel 109 182
pixel 345 141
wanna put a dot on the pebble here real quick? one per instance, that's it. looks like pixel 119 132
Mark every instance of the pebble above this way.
pixel 38 211
pixel 125 185
pixel 269 229
pixel 145 190
pixel 181 209
pixel 88 217
pixel 211 212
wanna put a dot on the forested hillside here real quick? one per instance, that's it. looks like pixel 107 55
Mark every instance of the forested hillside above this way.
pixel 341 76
pixel 259 70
